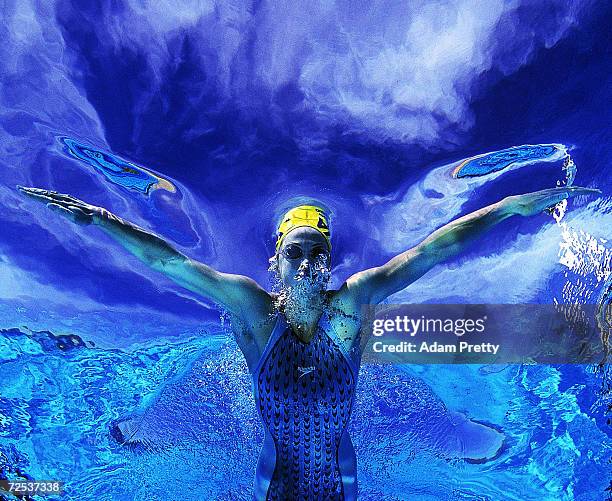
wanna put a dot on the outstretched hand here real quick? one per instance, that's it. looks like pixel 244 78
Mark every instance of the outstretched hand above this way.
pixel 530 204
pixel 74 209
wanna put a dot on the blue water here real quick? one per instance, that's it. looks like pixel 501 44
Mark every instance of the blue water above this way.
pixel 200 122
pixel 197 414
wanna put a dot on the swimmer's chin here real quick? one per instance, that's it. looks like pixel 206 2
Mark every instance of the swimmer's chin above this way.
pixel 307 285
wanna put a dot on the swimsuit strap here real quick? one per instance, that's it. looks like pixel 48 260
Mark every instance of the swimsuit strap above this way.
pixel 353 355
pixel 279 328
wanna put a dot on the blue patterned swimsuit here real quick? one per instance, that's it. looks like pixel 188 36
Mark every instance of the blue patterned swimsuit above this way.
pixel 304 393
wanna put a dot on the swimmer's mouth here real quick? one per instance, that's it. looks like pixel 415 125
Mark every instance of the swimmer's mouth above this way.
pixel 317 273
pixel 311 278
pixel 302 276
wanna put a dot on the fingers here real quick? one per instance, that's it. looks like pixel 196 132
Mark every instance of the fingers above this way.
pixel 579 190
pixel 553 196
pixel 40 194
pixel 570 190
pixel 46 199
pixel 80 211
pixel 61 210
pixel 563 192
pixel 33 192
pixel 74 209
pixel 30 189
pixel 58 208
pixel 49 195
pixel 574 191
pixel 36 191
pixel 545 200
pixel 75 214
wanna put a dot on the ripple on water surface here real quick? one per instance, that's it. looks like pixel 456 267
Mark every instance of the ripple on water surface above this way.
pixel 195 430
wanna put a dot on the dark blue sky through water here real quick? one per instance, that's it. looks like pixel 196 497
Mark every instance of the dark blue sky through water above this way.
pixel 245 105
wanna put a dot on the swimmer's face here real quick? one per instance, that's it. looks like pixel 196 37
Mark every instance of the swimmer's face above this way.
pixel 302 256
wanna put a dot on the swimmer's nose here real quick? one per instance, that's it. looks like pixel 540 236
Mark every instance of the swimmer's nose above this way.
pixel 306 269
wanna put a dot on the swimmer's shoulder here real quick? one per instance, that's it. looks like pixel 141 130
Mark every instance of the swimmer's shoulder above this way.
pixel 345 315
pixel 253 329
pixel 343 301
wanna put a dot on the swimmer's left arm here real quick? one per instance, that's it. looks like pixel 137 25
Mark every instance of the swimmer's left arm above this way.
pixel 374 285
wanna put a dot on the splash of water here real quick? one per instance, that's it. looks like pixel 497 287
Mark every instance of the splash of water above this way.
pixel 587 260
pixel 310 282
pixel 583 254
pixel 604 314
pixel 317 274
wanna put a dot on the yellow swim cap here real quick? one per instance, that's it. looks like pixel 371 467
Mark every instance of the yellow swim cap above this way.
pixel 303 215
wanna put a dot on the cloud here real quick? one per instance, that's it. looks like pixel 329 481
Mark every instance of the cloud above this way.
pixel 399 70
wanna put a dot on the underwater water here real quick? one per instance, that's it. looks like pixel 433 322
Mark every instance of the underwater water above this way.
pixel 201 122
pixel 199 434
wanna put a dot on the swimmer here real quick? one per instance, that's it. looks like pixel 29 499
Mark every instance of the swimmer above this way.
pixel 303 344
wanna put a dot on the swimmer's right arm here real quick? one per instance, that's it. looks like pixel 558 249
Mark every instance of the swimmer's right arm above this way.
pixel 239 294
pixel 233 292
